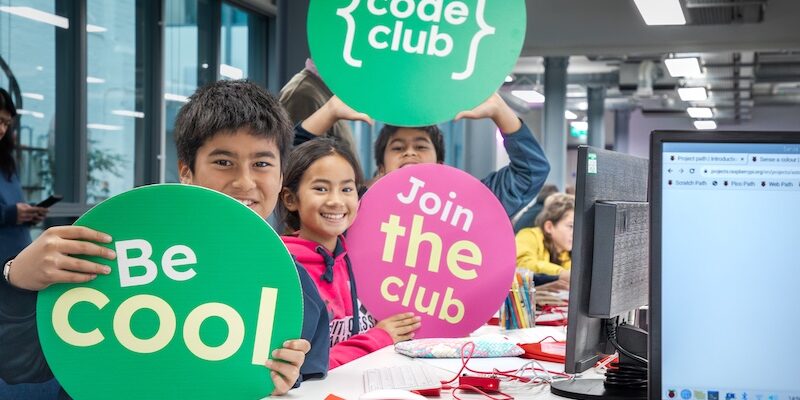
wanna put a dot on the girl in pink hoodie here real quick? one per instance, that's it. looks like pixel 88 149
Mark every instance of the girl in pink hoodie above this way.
pixel 318 203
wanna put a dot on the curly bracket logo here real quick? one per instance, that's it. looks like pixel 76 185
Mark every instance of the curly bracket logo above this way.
pixel 415 62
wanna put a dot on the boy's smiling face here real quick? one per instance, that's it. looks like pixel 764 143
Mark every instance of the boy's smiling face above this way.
pixel 241 165
pixel 408 146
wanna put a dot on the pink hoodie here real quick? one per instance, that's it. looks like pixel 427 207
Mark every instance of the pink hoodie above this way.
pixel 334 279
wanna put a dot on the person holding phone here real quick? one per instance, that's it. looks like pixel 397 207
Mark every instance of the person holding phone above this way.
pixel 16 215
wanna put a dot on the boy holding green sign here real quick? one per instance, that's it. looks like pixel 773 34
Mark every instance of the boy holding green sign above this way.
pixel 232 137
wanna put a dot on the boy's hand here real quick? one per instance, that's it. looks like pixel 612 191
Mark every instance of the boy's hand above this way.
pixel 48 259
pixel 30 214
pixel 496 109
pixel 400 327
pixel 330 113
pixel 286 364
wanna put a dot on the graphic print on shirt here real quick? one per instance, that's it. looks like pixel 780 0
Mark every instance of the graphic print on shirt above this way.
pixel 341 328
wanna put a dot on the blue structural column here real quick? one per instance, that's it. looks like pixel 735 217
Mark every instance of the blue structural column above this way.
pixel 555 130
pixel 622 123
pixel 597 130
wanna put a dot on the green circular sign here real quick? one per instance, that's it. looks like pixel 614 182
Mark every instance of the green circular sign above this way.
pixel 202 290
pixel 415 62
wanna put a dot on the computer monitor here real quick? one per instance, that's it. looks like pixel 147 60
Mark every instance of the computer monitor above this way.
pixel 609 266
pixel 725 273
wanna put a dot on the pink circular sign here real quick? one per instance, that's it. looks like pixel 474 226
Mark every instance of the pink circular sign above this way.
pixel 432 240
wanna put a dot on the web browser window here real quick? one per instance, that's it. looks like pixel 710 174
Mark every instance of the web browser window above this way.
pixel 730 271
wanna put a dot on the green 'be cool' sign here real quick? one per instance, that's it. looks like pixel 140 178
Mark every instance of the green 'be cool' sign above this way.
pixel 415 62
pixel 201 292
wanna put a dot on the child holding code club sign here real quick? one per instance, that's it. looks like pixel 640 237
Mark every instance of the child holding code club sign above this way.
pixel 514 185
pixel 319 203
pixel 232 137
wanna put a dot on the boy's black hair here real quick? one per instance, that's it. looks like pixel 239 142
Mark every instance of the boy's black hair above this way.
pixel 224 107
pixel 300 161
pixel 433 131
pixel 8 167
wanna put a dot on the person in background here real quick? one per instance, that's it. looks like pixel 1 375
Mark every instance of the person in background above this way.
pixel 16 216
pixel 306 93
pixel 545 249
pixel 529 215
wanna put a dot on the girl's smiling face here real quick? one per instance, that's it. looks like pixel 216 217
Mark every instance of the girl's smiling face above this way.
pixel 326 200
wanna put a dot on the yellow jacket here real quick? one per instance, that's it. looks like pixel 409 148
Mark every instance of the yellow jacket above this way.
pixel 533 255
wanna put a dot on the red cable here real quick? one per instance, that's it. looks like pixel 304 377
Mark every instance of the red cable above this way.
pixel 466 356
pixel 474 389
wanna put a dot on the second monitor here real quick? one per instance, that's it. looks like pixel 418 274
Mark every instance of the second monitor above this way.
pixel 609 273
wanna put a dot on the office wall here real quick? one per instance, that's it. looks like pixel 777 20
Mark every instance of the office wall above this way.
pixel 774 118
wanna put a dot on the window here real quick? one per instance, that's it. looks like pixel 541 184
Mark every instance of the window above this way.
pixel 99 84
pixel 111 97
pixel 27 46
pixel 180 70
pixel 233 43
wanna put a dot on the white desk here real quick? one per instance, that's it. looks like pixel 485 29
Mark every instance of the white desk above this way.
pixel 347 381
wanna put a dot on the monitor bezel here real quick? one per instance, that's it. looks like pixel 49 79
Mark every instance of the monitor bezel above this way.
pixel 657 140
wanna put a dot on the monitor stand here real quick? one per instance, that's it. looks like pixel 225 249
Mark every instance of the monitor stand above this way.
pixel 594 389
pixel 629 338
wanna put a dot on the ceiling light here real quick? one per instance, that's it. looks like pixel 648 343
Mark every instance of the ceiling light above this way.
pixel 700 112
pixel 661 12
pixel 529 96
pixel 127 113
pixel 103 127
pixel 509 79
pixel 580 125
pixel 570 115
pixel 583 106
pixel 684 67
pixel 176 97
pixel 94 28
pixel 34 96
pixel 230 71
pixel 34 114
pixel 91 79
pixel 37 15
pixel 693 94
pixel 705 125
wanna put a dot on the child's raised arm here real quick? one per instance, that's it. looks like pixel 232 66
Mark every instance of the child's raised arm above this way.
pixel 331 112
pixel 49 259
pixel 495 108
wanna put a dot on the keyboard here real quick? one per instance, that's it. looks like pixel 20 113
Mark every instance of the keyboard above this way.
pixel 405 376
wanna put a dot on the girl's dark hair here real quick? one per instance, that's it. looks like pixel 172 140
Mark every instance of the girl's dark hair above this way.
pixel 555 207
pixel 8 166
pixel 433 131
pixel 300 160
